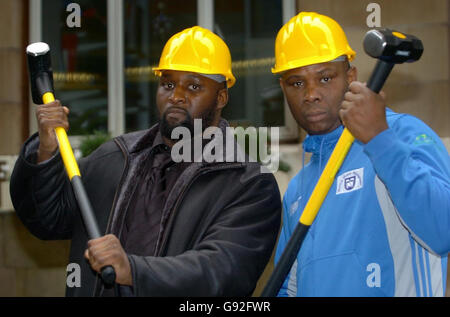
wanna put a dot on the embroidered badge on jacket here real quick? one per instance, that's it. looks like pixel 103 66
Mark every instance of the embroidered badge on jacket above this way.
pixel 350 181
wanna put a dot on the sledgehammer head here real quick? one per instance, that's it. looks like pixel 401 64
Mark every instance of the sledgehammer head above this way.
pixel 392 47
pixel 40 69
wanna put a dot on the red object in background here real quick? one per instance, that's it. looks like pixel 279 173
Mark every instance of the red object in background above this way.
pixel 89 13
pixel 69 44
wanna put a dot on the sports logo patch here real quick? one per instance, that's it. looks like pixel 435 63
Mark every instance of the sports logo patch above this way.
pixel 294 206
pixel 350 181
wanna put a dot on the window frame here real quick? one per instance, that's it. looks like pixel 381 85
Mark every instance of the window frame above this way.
pixel 116 61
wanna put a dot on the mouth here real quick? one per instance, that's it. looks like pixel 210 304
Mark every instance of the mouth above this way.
pixel 316 116
pixel 176 114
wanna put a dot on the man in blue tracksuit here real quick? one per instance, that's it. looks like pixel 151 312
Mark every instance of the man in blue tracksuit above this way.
pixel 384 228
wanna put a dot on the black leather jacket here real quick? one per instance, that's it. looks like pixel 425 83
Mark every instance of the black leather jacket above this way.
pixel 223 223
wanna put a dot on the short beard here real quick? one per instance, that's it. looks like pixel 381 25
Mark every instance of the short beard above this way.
pixel 166 128
pixel 208 117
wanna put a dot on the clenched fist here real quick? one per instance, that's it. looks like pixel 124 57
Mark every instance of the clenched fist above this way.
pixel 105 251
pixel 50 116
pixel 363 112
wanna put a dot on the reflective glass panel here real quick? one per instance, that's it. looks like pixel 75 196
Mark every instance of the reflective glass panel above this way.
pixel 148 26
pixel 249 27
pixel 79 60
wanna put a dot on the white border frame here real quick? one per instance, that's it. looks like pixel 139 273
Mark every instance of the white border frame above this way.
pixel 35 35
pixel 205 18
pixel 290 130
pixel 205 14
pixel 115 58
pixel 116 68
pixel 116 78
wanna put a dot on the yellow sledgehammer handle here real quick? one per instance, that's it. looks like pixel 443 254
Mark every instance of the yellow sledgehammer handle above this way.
pixel 309 213
pixel 41 79
pixel 108 273
pixel 64 146
pixel 383 44
pixel 326 179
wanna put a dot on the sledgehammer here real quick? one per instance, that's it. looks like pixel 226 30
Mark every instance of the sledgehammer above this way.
pixel 390 48
pixel 41 78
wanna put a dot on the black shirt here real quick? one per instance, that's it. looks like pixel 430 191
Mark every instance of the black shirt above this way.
pixel 143 222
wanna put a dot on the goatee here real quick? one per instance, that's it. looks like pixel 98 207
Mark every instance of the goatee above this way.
pixel 166 127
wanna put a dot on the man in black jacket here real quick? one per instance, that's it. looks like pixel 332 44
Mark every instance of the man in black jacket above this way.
pixel 171 229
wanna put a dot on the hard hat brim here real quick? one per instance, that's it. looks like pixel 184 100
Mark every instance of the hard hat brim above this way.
pixel 311 61
pixel 231 80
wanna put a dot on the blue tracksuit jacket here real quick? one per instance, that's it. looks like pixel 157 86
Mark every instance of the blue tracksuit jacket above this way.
pixel 384 228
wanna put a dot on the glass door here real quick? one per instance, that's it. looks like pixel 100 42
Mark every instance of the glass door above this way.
pixel 79 60
pixel 147 26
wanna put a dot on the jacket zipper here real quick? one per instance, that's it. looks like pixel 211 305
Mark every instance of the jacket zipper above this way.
pixel 180 198
pixel 164 241
pixel 108 225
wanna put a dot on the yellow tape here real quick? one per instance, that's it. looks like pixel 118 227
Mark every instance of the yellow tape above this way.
pixel 399 35
pixel 64 146
pixel 48 97
pixel 327 178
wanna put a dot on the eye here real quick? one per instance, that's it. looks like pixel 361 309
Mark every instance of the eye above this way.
pixel 194 87
pixel 298 84
pixel 168 85
pixel 326 79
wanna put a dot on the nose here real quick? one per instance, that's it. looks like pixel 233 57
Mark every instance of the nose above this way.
pixel 312 93
pixel 177 96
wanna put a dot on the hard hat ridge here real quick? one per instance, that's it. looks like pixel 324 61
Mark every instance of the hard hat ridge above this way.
pixel 309 38
pixel 197 50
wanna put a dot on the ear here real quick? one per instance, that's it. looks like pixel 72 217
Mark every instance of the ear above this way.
pixel 222 98
pixel 352 74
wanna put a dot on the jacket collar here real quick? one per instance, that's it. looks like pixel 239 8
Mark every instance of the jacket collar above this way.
pixel 322 143
pixel 142 140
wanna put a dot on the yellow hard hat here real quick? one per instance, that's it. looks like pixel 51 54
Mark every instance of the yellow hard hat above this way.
pixel 309 38
pixel 197 50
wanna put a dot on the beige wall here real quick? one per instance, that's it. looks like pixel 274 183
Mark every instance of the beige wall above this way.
pixel 12 61
pixel 420 88
pixel 28 266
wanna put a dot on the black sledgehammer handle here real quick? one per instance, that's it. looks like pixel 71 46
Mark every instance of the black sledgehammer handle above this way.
pixel 41 80
pixel 287 259
pixel 379 75
pixel 107 274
